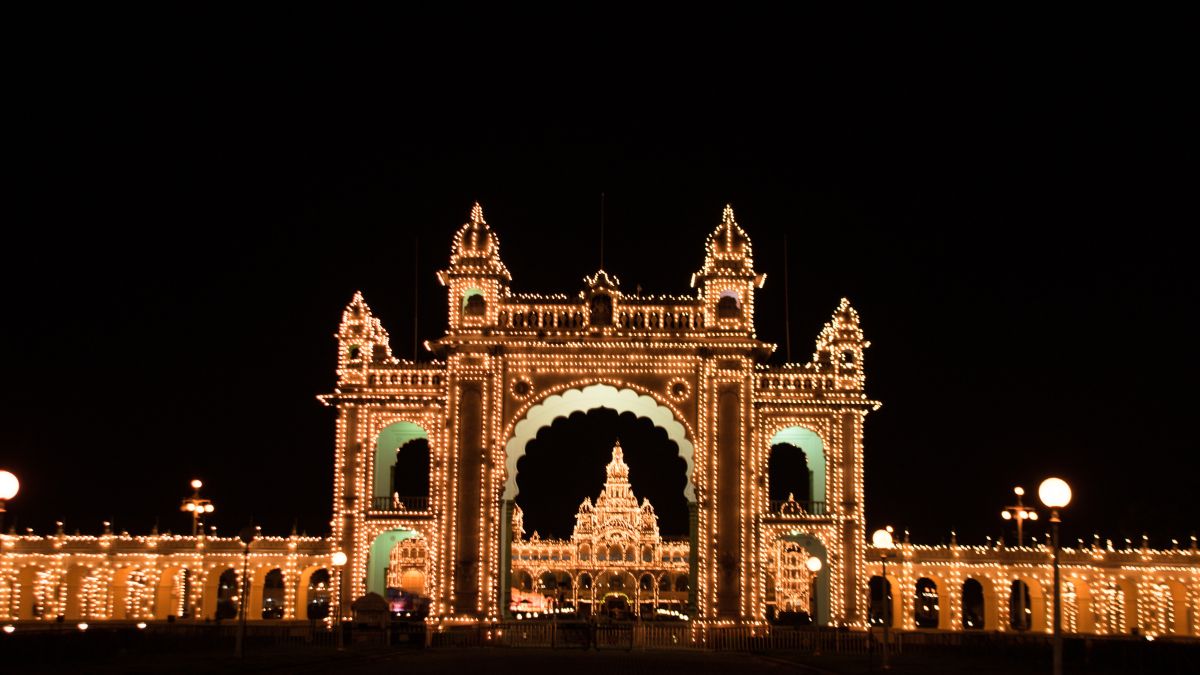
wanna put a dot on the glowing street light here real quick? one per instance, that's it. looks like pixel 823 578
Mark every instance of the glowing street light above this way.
pixel 1020 513
pixel 1056 494
pixel 339 561
pixel 882 540
pixel 9 487
pixel 196 506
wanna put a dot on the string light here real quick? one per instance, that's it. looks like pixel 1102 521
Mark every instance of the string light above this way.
pixel 696 361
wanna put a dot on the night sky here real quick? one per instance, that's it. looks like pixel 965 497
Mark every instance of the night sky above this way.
pixel 1007 202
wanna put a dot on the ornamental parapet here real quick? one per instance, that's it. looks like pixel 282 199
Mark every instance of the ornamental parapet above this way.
pixel 1100 557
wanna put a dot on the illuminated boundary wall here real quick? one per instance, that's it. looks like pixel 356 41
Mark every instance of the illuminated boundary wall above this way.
pixel 127 577
pixel 509 364
pixel 1104 591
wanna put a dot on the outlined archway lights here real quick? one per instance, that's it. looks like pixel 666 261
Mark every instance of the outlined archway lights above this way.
pixel 387 442
pixel 589 397
pixel 813 447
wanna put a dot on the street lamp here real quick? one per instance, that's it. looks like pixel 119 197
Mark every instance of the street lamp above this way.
pixel 1056 494
pixel 196 506
pixel 882 540
pixel 9 487
pixel 247 535
pixel 339 561
pixel 1020 513
pixel 813 564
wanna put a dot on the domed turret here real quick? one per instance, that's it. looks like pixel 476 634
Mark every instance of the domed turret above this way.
pixel 728 280
pixel 477 277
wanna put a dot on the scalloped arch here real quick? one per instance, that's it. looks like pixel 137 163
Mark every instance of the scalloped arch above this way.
pixel 588 398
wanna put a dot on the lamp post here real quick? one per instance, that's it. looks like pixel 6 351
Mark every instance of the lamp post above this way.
pixel 339 561
pixel 196 505
pixel 9 487
pixel 882 540
pixel 246 535
pixel 1020 513
pixel 1056 494
pixel 813 564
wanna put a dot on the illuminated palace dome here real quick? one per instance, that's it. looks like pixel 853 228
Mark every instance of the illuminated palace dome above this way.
pixel 615 556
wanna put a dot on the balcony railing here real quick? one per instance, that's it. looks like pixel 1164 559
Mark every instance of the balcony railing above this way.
pixel 393 504
pixel 797 509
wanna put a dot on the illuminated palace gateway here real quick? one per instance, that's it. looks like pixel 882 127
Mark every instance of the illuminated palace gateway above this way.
pixel 425 468
pixel 615 556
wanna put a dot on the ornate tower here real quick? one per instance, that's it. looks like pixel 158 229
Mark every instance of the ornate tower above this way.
pixel 476 278
pixel 727 281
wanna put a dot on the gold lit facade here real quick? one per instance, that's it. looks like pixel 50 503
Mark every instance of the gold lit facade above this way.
pixel 509 363
pixel 507 366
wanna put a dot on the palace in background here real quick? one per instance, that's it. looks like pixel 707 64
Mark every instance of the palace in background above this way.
pixel 425 460
pixel 615 558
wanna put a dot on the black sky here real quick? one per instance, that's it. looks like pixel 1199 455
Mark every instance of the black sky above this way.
pixel 1008 201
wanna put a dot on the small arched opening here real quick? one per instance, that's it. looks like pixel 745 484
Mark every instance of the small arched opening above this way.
pixel 227 595
pixel 272 605
pixel 926 605
pixel 387 445
pixel 729 305
pixel 879 602
pixel 314 593
pixel 796 468
pixel 473 303
pixel 973 605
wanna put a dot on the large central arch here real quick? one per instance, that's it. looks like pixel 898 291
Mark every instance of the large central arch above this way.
pixel 583 399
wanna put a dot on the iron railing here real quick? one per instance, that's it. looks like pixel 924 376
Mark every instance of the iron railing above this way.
pixel 796 508
pixel 394 504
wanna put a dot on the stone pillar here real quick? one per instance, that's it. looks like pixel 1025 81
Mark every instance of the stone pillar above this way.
pixel 728 501
pixel 467 505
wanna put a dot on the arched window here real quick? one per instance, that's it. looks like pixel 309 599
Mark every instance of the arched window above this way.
pixel 410 475
pixel 729 306
pixel 879 612
pixel 1020 606
pixel 474 303
pixel 227 595
pixel 681 583
pixel 646 583
pixel 614 553
pixel 319 591
pixel 272 595
pixel 647 554
pixel 926 605
pixel 664 584
pixel 585 581
pixel 585 553
pixel 972 605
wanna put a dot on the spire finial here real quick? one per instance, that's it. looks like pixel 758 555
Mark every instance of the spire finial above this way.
pixel 477 215
pixel 727 215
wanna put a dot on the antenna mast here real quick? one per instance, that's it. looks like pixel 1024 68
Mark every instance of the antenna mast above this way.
pixel 601 230
pixel 416 295
pixel 787 304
